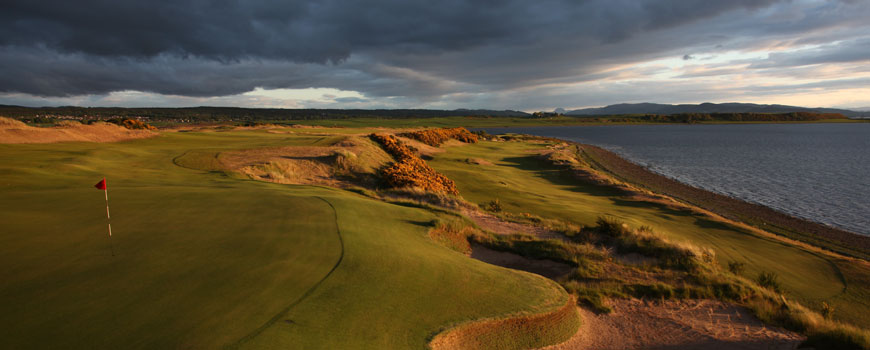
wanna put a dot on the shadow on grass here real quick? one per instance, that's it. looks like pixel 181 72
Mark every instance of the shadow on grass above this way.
pixel 420 223
pixel 557 176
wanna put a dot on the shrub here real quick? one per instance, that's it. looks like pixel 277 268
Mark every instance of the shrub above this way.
pixel 131 124
pixel 494 206
pixel 736 267
pixel 409 170
pixel 612 226
pixel 769 280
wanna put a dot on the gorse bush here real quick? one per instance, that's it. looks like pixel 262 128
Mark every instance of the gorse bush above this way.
pixel 409 170
pixel 435 137
pixel 131 124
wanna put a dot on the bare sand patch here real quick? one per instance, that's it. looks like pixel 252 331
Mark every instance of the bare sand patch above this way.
pixel 13 131
pixel 677 324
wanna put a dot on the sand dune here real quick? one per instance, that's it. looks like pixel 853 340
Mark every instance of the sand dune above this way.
pixel 13 131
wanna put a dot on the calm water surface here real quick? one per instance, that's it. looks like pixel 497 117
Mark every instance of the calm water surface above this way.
pixel 819 172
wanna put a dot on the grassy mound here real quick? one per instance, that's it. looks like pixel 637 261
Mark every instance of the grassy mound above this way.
pixel 13 131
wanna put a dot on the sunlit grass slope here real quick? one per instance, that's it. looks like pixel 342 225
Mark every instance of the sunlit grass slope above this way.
pixel 523 183
pixel 206 260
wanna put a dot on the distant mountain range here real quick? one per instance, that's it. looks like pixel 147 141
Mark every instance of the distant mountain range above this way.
pixel 204 113
pixel 666 109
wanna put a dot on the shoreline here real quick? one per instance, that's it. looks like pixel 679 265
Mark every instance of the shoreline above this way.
pixel 756 215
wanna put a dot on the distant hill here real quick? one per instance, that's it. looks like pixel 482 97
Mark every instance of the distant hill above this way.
pixel 667 109
pixel 241 114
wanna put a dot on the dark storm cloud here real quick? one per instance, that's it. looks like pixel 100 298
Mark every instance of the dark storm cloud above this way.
pixel 321 31
pixel 410 48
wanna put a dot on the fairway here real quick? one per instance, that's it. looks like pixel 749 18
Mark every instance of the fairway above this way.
pixel 525 184
pixel 205 259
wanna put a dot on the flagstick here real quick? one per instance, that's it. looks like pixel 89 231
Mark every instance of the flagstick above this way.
pixel 111 245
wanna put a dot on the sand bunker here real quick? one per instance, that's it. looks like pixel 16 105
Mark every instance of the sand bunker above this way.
pixel 13 131
pixel 680 324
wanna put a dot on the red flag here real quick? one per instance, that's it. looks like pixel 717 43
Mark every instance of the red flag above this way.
pixel 101 185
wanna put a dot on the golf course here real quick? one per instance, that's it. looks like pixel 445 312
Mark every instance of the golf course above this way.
pixel 206 260
pixel 215 244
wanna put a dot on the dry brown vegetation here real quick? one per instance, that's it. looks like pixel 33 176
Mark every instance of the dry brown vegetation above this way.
pixel 13 131
pixel 409 170
pixel 353 161
pixel 607 281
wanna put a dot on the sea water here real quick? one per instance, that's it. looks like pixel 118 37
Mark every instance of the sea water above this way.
pixel 819 172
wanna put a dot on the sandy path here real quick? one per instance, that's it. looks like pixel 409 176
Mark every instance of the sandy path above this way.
pixel 686 324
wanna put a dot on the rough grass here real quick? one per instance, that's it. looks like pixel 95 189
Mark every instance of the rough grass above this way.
pixel 704 280
pixel 527 184
pixel 821 333
pixel 700 276
pixel 452 233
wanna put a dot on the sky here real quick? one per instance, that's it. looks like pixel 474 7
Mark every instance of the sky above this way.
pixel 447 54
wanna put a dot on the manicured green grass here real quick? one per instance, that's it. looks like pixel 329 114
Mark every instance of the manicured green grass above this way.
pixel 523 183
pixel 206 260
